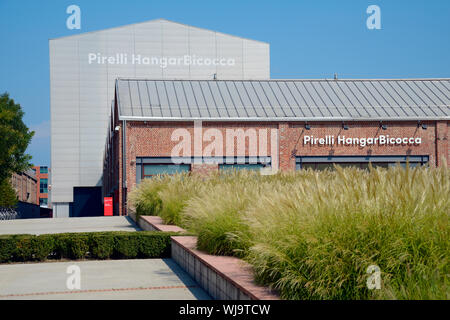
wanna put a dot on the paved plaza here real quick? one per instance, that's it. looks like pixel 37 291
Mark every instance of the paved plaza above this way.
pixel 140 279
pixel 61 225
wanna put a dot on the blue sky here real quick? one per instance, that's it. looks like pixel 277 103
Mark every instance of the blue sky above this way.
pixel 308 39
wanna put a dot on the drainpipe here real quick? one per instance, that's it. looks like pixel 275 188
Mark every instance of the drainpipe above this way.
pixel 124 166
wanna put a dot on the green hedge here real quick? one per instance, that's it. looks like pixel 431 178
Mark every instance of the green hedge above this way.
pixel 93 245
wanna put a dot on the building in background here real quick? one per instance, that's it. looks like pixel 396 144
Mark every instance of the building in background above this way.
pixel 83 71
pixel 25 184
pixel 43 187
pixel 317 123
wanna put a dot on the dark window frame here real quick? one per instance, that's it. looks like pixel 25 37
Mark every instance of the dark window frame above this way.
pixel 300 161
pixel 144 176
pixel 43 186
pixel 141 161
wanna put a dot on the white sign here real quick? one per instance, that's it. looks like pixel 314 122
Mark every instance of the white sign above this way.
pixel 161 61
pixel 382 140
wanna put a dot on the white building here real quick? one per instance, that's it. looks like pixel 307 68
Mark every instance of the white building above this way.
pixel 83 70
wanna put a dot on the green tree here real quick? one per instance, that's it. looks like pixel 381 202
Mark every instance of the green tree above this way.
pixel 8 197
pixel 15 137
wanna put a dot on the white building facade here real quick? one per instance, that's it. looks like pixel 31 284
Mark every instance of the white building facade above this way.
pixel 83 70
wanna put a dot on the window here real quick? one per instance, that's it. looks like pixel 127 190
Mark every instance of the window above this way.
pixel 43 185
pixel 146 167
pixel 43 170
pixel 330 165
pixel 43 201
pixel 149 170
pixel 361 162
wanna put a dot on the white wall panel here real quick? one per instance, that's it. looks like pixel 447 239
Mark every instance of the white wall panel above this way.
pixel 230 48
pixel 175 44
pixel 81 92
pixel 256 60
pixel 64 96
pixel 202 43
pixel 148 45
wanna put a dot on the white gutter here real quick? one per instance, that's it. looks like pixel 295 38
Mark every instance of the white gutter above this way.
pixel 282 119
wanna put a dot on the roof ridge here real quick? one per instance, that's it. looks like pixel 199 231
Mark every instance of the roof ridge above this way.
pixel 156 20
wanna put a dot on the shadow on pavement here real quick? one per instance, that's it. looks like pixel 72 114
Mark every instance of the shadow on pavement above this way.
pixel 187 280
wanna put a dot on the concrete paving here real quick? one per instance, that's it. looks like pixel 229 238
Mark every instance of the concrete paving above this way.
pixel 140 279
pixel 61 225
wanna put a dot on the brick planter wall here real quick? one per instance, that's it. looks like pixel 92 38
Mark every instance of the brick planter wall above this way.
pixel 224 278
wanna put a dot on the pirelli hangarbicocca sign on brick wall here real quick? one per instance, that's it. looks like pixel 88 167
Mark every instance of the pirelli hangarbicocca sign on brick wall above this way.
pixel 382 140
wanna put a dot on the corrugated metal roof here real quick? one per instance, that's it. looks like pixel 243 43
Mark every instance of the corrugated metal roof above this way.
pixel 274 100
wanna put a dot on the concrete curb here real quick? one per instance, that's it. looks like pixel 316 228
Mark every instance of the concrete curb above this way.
pixel 222 277
pixel 154 223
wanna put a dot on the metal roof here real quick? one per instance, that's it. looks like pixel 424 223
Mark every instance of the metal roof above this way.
pixel 290 100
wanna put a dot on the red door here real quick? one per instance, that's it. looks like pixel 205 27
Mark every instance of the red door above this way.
pixel 108 206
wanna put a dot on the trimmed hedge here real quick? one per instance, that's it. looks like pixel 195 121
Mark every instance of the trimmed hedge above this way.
pixel 92 245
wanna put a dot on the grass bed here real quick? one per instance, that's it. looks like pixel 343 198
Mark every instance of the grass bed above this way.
pixel 312 235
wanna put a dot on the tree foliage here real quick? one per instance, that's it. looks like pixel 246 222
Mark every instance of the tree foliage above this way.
pixel 8 197
pixel 15 137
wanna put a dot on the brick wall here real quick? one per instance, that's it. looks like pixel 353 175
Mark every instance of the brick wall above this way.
pixel 40 176
pixel 25 187
pixel 153 139
pixel 442 147
pixel 204 169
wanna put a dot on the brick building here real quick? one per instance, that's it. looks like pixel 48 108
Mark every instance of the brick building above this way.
pixel 25 185
pixel 167 126
pixel 42 187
